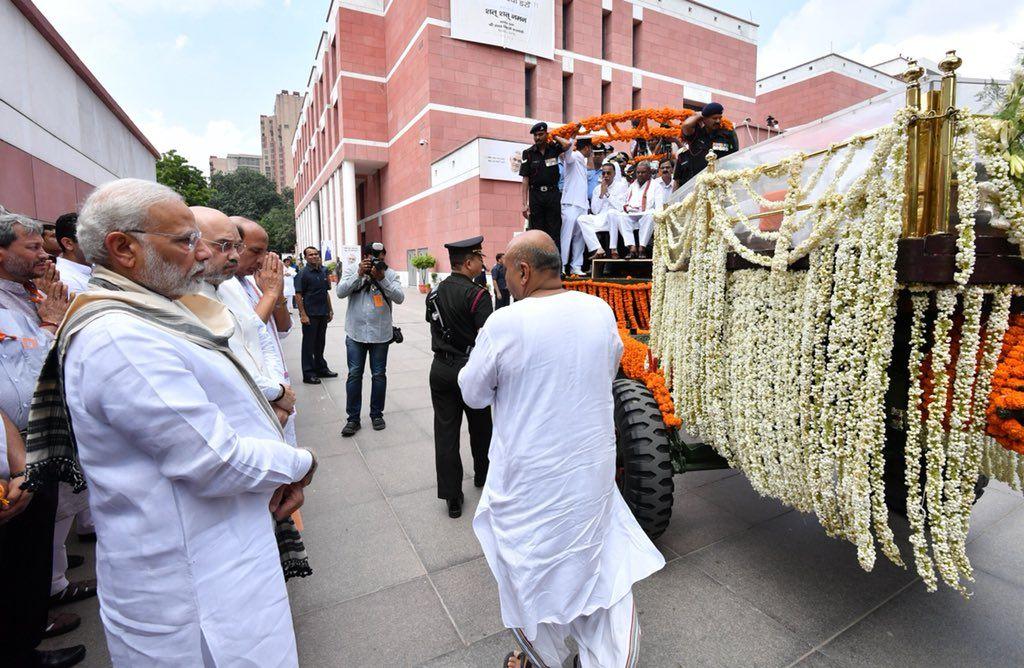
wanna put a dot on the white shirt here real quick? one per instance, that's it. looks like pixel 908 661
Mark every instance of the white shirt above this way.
pixel 75 276
pixel 640 197
pixel 181 463
pixel 574 184
pixel 662 193
pixel 251 343
pixel 556 533
pixel 612 201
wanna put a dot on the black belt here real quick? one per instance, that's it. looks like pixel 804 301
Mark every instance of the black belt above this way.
pixel 450 358
pixel 543 189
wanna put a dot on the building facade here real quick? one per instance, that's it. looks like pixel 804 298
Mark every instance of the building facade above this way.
pixel 393 98
pixel 234 162
pixel 276 134
pixel 61 140
pixel 407 135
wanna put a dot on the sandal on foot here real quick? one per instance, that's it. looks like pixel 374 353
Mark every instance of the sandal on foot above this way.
pixel 518 656
pixel 61 623
pixel 76 591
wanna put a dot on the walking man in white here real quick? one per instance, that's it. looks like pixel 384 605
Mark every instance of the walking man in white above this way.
pixel 184 457
pixel 561 542
pixel 574 200
pixel 608 197
pixel 638 211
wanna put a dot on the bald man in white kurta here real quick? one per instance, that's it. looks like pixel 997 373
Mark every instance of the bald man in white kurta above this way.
pixel 562 544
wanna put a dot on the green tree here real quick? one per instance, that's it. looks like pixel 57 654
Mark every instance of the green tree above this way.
pixel 245 193
pixel 280 226
pixel 173 171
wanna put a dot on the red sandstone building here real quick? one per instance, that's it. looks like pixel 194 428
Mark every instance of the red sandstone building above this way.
pixel 406 131
pixel 59 140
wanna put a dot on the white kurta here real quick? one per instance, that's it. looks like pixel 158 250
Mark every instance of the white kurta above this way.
pixel 601 208
pixel 181 463
pixel 638 211
pixel 556 533
pixel 75 276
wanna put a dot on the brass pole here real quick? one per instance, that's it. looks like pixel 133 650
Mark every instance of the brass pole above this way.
pixel 946 130
pixel 928 159
pixel 912 77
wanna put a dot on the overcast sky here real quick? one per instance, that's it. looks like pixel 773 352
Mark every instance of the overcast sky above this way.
pixel 196 74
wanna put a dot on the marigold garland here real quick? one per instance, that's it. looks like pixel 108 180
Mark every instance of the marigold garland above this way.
pixel 608 124
pixel 629 301
pixel 1007 386
pixel 638 364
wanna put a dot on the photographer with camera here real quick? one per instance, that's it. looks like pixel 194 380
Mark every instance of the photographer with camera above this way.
pixel 371 288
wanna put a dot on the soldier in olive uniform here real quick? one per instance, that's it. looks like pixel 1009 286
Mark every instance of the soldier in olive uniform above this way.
pixel 703 132
pixel 456 310
pixel 542 200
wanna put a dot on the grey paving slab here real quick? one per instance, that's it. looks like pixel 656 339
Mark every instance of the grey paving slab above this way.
pixel 439 540
pixel 790 569
pixel 486 653
pixel 998 503
pixel 688 619
pixel 1000 550
pixel 471 596
pixel 341 481
pixel 735 494
pixel 939 629
pixel 816 660
pixel 325 439
pixel 353 551
pixel 404 625
pixel 410 467
pixel 400 430
pixel 696 523
pixel 700 478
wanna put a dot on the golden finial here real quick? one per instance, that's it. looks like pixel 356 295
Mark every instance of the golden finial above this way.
pixel 913 73
pixel 950 63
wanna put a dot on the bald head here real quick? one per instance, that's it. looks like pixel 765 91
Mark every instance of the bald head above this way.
pixel 221 238
pixel 256 244
pixel 532 262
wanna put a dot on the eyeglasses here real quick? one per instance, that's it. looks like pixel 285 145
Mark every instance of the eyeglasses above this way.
pixel 191 239
pixel 224 246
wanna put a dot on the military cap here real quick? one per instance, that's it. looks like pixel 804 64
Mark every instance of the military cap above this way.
pixel 539 127
pixel 458 250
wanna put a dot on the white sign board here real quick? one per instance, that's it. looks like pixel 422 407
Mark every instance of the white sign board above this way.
pixel 499 160
pixel 349 256
pixel 527 26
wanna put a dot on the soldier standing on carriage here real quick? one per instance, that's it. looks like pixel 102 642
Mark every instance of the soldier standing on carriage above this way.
pixel 542 199
pixel 701 133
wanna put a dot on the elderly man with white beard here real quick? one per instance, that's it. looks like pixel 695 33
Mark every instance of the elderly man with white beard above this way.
pixel 184 456
pixel 563 546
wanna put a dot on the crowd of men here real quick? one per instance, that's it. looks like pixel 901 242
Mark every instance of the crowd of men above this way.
pixel 574 190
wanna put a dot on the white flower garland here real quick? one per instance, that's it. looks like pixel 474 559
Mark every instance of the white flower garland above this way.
pixel 785 373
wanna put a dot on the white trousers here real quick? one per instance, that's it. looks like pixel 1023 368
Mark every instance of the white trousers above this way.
pixel 571 237
pixel 608 638
pixel 628 223
pixel 69 506
pixel 592 223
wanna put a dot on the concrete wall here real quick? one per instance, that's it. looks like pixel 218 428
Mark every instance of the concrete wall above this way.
pixel 58 137
pixel 813 98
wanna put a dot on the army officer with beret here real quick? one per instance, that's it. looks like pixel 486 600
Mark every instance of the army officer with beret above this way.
pixel 542 200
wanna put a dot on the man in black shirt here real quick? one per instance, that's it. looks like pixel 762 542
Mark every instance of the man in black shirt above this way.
pixel 312 288
pixel 456 310
pixel 501 294
pixel 542 200
pixel 701 133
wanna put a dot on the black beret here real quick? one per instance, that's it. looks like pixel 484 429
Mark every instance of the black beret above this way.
pixel 712 109
pixel 539 127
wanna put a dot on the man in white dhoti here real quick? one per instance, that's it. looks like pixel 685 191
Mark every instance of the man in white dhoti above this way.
pixel 574 200
pixel 662 192
pixel 184 457
pixel 561 542
pixel 638 210
pixel 608 197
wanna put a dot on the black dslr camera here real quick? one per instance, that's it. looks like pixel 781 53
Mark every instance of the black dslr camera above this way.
pixel 376 261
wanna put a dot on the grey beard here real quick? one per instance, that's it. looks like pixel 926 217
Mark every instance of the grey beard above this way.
pixel 167 279
pixel 216 279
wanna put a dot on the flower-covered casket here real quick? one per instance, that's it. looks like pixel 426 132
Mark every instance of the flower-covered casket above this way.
pixel 860 351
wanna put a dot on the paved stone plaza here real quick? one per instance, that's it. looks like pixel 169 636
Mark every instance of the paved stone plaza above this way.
pixel 748 582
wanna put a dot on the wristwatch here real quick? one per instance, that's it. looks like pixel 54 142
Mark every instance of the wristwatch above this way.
pixel 280 396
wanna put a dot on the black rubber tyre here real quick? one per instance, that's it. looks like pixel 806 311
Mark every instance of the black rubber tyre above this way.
pixel 644 463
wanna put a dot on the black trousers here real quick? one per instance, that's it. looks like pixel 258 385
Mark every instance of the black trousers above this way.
pixel 314 338
pixel 26 559
pixel 448 409
pixel 546 212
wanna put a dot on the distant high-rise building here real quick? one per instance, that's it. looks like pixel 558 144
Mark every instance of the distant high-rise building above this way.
pixel 234 162
pixel 276 134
